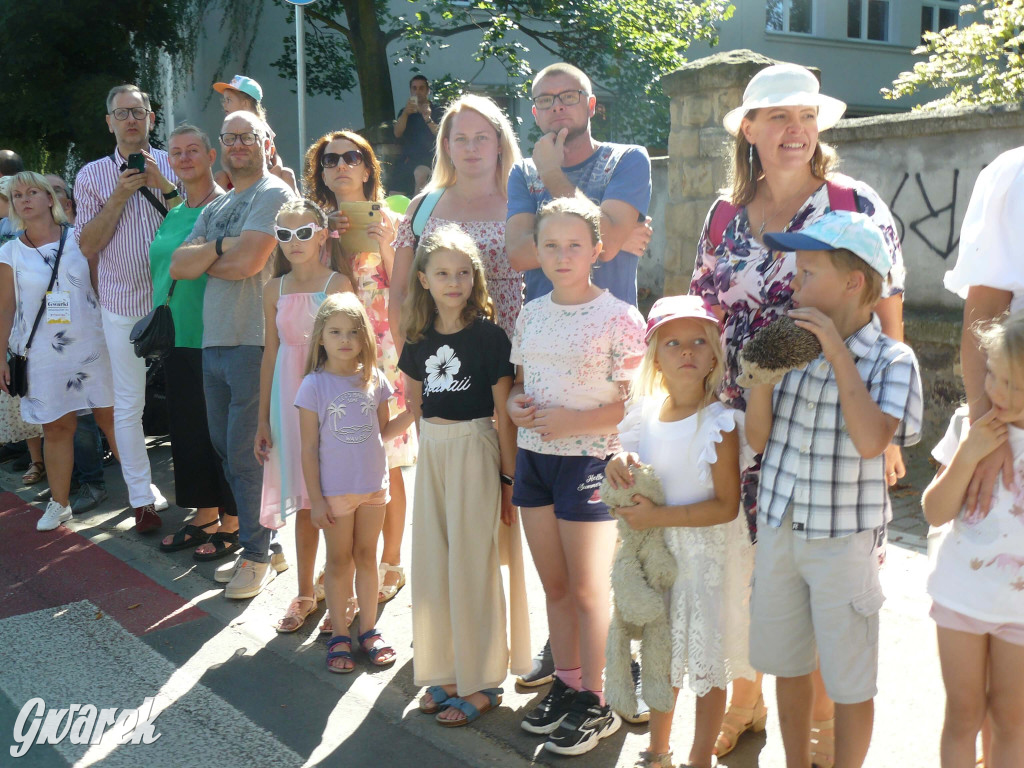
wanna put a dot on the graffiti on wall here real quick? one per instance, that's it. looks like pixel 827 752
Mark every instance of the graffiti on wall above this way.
pixel 936 227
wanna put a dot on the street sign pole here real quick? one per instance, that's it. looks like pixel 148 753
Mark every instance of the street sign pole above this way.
pixel 300 77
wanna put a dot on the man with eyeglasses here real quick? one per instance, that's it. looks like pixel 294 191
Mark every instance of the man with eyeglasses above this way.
pixel 117 217
pixel 567 161
pixel 231 243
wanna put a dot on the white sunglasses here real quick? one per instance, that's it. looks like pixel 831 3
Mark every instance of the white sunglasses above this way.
pixel 303 233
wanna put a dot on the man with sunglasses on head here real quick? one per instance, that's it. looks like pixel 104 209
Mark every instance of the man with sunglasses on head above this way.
pixel 119 210
pixel 231 243
pixel 566 162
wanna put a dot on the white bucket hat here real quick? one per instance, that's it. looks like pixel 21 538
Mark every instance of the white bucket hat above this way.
pixel 785 85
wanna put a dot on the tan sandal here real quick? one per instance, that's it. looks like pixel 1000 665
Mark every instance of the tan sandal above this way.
pixel 319 589
pixel 738 721
pixel 298 609
pixel 823 743
pixel 36 471
pixel 388 591
pixel 351 612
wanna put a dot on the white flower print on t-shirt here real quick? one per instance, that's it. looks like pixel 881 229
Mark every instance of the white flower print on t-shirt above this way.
pixel 441 368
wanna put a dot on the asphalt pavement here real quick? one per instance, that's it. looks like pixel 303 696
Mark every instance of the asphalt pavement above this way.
pixel 95 614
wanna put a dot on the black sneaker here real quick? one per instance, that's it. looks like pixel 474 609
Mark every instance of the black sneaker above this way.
pixel 585 725
pixel 543 671
pixel 643 712
pixel 552 709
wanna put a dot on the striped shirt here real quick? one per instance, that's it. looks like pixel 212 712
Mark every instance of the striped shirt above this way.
pixel 810 462
pixel 125 285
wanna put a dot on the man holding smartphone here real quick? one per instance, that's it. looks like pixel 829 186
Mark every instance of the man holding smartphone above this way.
pixel 115 225
pixel 416 130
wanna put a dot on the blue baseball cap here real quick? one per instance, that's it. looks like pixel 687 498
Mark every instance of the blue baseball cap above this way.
pixel 850 230
pixel 246 85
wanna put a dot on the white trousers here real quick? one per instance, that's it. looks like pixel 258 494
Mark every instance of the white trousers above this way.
pixel 129 401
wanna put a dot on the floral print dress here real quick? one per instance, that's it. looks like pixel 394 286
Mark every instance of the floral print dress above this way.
pixel 68 369
pixel 372 288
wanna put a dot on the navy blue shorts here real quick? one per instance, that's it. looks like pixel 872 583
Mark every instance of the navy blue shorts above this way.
pixel 569 483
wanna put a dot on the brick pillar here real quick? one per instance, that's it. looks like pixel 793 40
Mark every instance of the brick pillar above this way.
pixel 701 92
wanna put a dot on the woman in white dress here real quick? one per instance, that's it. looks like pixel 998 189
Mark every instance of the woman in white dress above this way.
pixel 68 365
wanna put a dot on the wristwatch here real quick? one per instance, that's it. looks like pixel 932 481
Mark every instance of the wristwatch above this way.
pixel 219 246
pixel 506 479
pixel 170 195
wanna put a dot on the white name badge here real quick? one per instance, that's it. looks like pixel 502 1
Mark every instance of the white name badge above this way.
pixel 58 307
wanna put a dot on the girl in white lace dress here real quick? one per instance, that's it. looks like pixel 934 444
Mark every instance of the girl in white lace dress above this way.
pixel 675 424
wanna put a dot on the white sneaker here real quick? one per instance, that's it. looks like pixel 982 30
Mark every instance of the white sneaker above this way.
pixel 249 580
pixel 54 515
pixel 160 500
pixel 226 572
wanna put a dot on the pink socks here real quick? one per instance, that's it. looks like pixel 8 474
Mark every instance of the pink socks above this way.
pixel 571 677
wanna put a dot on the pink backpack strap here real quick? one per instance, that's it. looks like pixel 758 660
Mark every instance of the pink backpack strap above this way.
pixel 841 195
pixel 723 213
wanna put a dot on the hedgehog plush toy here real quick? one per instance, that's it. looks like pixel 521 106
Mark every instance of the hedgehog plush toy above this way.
pixel 774 351
pixel 644 570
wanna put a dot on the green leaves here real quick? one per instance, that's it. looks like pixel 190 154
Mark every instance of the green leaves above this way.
pixel 980 63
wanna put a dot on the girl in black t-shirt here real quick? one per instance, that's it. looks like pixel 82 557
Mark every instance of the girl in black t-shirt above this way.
pixel 458 374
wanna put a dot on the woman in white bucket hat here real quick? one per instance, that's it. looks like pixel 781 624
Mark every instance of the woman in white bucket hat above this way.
pixel 782 179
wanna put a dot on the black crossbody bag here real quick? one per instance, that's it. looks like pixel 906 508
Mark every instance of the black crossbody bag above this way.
pixel 18 364
pixel 153 335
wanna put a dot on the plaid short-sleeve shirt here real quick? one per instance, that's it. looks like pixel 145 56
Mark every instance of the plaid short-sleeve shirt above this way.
pixel 810 462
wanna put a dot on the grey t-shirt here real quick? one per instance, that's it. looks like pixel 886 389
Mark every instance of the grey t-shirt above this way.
pixel 233 309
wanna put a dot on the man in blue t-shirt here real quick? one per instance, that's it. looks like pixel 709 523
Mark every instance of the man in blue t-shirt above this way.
pixel 568 161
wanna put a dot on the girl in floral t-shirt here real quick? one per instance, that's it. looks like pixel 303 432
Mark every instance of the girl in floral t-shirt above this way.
pixel 577 348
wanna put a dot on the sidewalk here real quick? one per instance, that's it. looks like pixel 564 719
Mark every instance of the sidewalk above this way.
pixel 97 614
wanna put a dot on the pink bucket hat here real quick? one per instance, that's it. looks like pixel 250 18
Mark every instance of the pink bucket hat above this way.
pixel 675 308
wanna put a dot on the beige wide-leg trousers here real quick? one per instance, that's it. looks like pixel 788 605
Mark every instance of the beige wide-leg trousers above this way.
pixel 458 601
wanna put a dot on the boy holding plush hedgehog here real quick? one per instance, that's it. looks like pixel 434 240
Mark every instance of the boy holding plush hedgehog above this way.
pixel 823 502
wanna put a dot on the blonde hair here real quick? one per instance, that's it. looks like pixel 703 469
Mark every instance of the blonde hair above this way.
pixel 580 207
pixel 444 174
pixel 649 379
pixel 1005 335
pixel 847 261
pixel 349 305
pixel 37 181
pixel 743 181
pixel 419 309
pixel 336 260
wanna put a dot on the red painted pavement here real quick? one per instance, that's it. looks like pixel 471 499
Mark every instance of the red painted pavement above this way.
pixel 46 570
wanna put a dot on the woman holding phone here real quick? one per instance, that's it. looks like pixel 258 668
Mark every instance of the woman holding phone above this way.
pixel 342 169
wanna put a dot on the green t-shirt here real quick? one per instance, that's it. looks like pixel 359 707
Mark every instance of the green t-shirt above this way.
pixel 187 301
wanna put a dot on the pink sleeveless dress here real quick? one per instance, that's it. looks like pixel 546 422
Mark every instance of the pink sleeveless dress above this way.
pixel 284 489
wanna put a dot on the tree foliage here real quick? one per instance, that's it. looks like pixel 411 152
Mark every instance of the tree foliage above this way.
pixel 980 63
pixel 60 59
pixel 624 45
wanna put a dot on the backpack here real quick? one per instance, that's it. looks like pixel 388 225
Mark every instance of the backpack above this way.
pixel 841 197
pixel 419 221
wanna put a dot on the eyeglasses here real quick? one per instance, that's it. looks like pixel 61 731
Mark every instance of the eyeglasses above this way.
pixel 567 98
pixel 302 234
pixel 247 139
pixel 121 113
pixel 352 158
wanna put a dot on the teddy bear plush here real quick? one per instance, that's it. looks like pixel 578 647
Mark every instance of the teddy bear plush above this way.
pixel 643 571
pixel 774 351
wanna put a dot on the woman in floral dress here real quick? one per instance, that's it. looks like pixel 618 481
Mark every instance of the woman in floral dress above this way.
pixel 782 179
pixel 68 365
pixel 476 149
pixel 341 168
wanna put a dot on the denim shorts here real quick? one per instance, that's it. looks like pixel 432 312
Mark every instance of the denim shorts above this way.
pixel 569 483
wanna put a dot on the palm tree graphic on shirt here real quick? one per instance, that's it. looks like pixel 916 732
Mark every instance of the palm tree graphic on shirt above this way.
pixel 357 426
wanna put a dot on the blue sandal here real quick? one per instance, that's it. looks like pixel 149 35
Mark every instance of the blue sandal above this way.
pixel 471 712
pixel 374 651
pixel 440 697
pixel 339 640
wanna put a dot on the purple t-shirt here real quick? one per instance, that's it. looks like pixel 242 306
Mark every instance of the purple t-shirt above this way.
pixel 352 458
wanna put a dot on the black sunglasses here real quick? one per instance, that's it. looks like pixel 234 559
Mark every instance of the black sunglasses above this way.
pixel 352 158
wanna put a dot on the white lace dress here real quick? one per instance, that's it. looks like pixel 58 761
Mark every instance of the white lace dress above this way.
pixel 709 603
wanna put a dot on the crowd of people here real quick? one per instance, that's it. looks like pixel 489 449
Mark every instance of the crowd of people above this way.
pixel 489 334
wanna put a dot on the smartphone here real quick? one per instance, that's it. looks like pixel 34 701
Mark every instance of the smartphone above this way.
pixel 360 216
pixel 137 161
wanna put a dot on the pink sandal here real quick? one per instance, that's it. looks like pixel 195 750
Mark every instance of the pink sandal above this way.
pixel 298 609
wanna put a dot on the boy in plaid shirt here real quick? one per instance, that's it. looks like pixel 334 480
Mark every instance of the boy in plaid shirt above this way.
pixel 823 502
